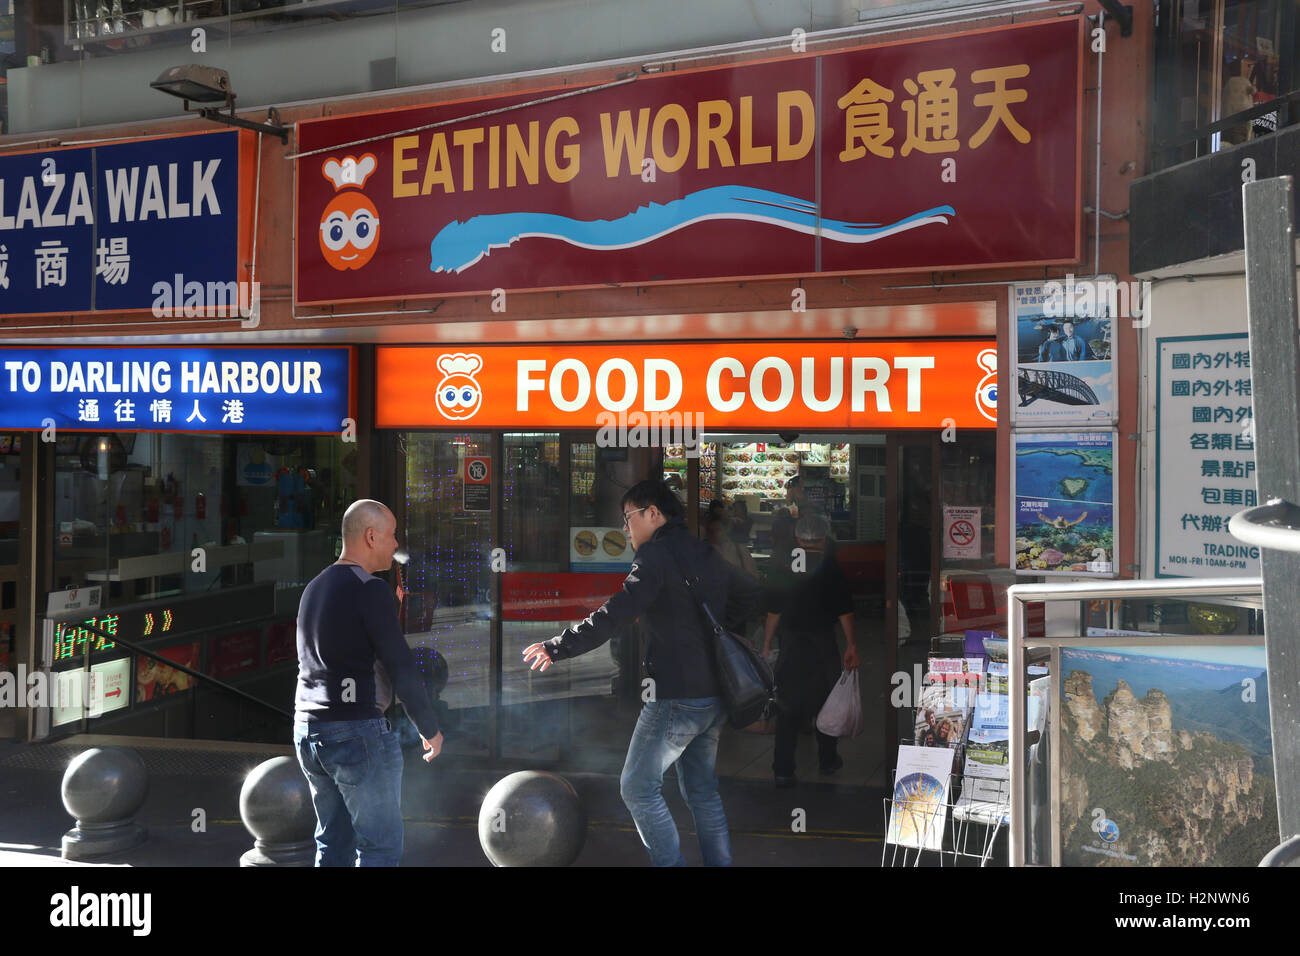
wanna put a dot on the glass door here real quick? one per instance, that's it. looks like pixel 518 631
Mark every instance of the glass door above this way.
pixel 911 575
pixel 449 607
pixel 567 553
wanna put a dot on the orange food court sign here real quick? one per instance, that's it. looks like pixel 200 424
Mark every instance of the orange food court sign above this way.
pixel 724 386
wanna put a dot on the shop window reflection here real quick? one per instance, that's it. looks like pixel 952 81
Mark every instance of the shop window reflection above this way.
pixel 449 607
pixel 262 508
pixel 10 510
pixel 1222 58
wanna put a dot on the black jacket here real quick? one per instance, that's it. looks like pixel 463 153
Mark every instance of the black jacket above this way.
pixel 678 652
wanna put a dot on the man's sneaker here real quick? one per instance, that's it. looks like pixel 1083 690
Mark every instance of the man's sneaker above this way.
pixel 785 783
pixel 830 768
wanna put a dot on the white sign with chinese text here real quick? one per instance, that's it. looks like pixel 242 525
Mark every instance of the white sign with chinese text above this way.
pixel 65 605
pixel 1205 456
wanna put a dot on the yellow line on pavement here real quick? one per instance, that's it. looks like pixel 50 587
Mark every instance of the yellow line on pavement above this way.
pixel 849 836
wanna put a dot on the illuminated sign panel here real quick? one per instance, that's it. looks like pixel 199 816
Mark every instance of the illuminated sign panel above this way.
pixel 73 640
pixel 772 386
pixel 167 389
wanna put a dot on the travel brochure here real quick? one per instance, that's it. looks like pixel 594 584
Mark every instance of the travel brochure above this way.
pixel 919 808
pixel 946 699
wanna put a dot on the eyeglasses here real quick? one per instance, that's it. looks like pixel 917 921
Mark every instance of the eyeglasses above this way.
pixel 629 514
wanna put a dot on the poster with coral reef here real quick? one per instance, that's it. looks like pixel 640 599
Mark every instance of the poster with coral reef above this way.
pixel 1065 503
pixel 1166 756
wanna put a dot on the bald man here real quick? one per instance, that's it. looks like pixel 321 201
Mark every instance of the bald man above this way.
pixel 347 621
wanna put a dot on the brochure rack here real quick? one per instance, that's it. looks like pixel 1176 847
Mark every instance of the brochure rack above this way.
pixel 958 828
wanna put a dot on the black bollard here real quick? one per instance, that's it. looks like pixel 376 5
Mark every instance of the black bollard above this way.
pixel 275 805
pixel 103 789
pixel 531 818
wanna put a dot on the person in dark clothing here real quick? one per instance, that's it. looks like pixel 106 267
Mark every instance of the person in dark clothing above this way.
pixel 782 538
pixel 803 603
pixel 347 624
pixel 1050 349
pixel 1073 348
pixel 683 717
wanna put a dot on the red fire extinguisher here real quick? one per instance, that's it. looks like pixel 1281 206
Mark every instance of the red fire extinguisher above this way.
pixel 200 506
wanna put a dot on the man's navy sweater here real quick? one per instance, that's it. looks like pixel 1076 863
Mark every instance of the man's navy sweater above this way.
pixel 346 620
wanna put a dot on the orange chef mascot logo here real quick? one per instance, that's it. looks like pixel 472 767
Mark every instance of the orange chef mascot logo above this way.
pixel 986 393
pixel 349 227
pixel 459 395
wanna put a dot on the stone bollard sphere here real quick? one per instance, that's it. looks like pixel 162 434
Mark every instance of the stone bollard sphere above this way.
pixel 275 805
pixel 103 789
pixel 531 818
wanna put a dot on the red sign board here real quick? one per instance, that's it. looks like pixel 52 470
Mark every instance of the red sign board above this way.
pixel 282 643
pixel 942 153
pixel 537 596
pixel 233 654
pixel 155 679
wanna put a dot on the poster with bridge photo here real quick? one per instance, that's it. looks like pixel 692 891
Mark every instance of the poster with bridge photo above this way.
pixel 1065 503
pixel 1063 360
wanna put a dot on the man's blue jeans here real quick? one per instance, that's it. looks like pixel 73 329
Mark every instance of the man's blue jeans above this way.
pixel 684 731
pixel 354 768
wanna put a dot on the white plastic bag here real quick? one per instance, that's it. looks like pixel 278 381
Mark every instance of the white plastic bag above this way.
pixel 841 715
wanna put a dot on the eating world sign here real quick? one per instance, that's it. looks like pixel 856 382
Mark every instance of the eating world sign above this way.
pixel 948 153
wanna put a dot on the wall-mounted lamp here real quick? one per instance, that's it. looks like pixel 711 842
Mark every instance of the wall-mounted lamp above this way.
pixel 209 84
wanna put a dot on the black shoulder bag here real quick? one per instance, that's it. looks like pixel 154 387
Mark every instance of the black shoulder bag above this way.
pixel 748 687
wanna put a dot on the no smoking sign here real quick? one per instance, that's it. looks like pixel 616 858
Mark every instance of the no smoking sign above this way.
pixel 961 532
pixel 478 484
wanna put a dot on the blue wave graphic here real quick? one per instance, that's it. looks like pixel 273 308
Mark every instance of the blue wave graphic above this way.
pixel 459 245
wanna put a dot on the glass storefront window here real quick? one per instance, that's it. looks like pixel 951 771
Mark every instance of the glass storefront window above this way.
pixel 202 545
pixel 10 505
pixel 449 607
pixel 131 507
pixel 1220 58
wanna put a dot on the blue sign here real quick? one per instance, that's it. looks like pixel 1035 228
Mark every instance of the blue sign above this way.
pixel 276 390
pixel 97 228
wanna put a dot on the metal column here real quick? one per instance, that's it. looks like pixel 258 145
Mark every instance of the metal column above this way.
pixel 1275 390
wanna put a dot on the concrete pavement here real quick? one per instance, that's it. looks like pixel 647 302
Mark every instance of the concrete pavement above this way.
pixel 817 824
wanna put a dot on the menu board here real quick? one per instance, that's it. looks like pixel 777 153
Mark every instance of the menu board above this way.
pixel 675 468
pixel 762 469
pixel 708 471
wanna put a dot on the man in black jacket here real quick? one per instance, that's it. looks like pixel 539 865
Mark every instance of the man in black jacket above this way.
pixel 683 716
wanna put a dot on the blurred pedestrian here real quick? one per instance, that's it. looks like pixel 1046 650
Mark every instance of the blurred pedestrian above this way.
pixel 803 603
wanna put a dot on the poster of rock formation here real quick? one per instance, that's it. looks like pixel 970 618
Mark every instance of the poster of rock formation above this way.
pixel 1166 757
